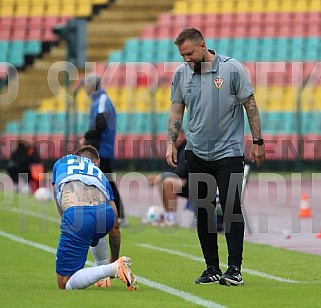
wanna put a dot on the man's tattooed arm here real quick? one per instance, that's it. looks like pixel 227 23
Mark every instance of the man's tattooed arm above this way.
pixel 114 236
pixel 253 116
pixel 175 122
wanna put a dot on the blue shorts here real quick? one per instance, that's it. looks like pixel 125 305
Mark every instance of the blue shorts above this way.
pixel 81 227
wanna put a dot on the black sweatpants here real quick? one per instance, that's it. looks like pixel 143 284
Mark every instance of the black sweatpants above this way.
pixel 105 166
pixel 204 178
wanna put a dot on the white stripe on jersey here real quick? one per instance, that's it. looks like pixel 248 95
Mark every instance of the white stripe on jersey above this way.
pixel 102 103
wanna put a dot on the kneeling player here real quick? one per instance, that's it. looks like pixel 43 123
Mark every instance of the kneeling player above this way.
pixel 84 201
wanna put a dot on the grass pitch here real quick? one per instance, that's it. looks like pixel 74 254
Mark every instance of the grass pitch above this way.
pixel 165 260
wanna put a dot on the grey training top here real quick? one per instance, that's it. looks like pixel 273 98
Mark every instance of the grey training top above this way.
pixel 214 106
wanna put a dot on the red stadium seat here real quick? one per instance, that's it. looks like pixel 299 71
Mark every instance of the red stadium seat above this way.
pixel 255 31
pixel 5 34
pixel 256 18
pixel 35 22
pixel 18 34
pixel 181 20
pixel 270 30
pixel 6 22
pixel 196 20
pixel 34 34
pixel 240 31
pixel 241 20
pixel 212 20
pixel 165 19
pixel 227 20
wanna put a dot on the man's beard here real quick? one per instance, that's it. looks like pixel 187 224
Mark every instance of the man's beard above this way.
pixel 196 66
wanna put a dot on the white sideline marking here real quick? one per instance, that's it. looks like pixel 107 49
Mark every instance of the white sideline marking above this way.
pixel 33 214
pixel 152 284
pixel 173 252
pixel 198 259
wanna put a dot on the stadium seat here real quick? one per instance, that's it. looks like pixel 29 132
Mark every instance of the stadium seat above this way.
pixel 4 47
pixel 180 7
pixel 13 128
pixel 16 53
pixel 37 10
pixel 165 19
pixel 83 10
pixel 33 48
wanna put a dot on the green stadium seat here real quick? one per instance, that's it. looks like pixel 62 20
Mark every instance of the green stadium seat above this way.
pixel 16 53
pixel 43 125
pixel 4 47
pixel 33 48
pixel 13 127
pixel 115 56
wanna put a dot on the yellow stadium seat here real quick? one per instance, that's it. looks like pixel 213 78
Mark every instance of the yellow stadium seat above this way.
pixel 272 6
pixel 180 7
pixel 211 6
pixel 21 10
pixel 257 6
pixel 98 2
pixel 53 10
pixel 130 100
pixel 300 6
pixel 37 10
pixel 314 5
pixel 38 2
pixel 197 7
pixel 7 2
pixel 47 104
pixel 243 6
pixel 83 107
pixel 25 2
pixel 83 10
pixel 7 10
pixel 67 9
pixel 286 6
pixel 227 6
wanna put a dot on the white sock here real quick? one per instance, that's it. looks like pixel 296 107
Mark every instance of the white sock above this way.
pixel 170 216
pixel 89 275
pixel 100 252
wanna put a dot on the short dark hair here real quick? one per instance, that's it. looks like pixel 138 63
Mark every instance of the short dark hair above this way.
pixel 93 81
pixel 88 151
pixel 189 34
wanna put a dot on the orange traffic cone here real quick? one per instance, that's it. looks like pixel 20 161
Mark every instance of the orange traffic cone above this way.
pixel 305 211
pixel 318 235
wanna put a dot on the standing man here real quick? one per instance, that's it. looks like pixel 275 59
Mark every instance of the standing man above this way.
pixel 214 89
pixel 84 202
pixel 102 133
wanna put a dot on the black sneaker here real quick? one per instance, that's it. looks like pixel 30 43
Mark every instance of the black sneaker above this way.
pixel 232 277
pixel 210 275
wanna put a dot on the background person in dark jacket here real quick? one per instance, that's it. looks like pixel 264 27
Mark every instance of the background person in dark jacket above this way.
pixel 19 165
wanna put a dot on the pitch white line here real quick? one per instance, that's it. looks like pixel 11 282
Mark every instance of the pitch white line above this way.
pixel 173 252
pixel 152 284
pixel 33 214
pixel 198 259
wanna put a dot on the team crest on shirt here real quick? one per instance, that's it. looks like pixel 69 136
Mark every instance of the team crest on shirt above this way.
pixel 218 82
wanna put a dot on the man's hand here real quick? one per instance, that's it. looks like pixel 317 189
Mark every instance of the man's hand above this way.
pixel 171 155
pixel 82 141
pixel 258 154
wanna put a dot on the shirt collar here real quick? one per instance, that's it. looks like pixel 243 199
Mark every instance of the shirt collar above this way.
pixel 216 61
